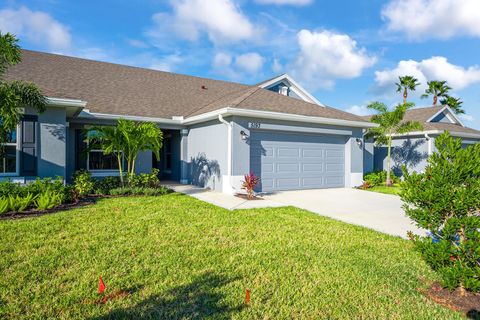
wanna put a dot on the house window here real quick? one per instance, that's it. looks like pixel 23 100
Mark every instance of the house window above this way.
pixel 98 161
pixel 8 161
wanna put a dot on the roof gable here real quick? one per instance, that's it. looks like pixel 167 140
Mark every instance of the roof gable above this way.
pixel 446 115
pixel 292 85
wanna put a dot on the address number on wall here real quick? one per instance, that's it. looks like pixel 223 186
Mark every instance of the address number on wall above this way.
pixel 254 125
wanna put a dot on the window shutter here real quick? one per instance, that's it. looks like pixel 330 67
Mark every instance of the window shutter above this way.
pixel 80 147
pixel 28 146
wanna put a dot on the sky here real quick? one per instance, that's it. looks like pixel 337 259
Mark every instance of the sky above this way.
pixel 347 53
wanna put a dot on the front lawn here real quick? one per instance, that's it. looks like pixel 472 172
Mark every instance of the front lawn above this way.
pixel 178 257
pixel 395 189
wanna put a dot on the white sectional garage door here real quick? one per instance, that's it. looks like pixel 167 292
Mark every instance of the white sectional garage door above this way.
pixel 288 161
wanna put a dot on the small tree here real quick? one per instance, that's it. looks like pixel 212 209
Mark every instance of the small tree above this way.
pixel 111 141
pixel 454 103
pixel 436 89
pixel 390 123
pixel 446 201
pixel 405 84
pixel 14 95
pixel 126 140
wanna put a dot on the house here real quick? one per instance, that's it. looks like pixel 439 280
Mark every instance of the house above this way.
pixel 414 148
pixel 214 131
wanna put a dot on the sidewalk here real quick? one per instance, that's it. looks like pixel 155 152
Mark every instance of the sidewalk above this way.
pixel 219 199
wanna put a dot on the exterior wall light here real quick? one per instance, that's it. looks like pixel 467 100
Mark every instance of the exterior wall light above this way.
pixel 243 135
pixel 359 142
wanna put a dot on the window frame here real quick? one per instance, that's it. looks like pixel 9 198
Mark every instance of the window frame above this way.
pixel 102 172
pixel 17 154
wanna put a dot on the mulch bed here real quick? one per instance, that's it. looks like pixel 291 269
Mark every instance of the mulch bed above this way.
pixel 36 213
pixel 468 304
pixel 245 197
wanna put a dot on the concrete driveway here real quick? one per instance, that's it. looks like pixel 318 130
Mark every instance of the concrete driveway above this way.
pixel 381 212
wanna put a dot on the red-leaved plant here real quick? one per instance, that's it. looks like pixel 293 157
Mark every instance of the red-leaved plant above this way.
pixel 249 183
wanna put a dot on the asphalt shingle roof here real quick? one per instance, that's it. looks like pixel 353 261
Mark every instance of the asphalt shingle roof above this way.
pixel 124 90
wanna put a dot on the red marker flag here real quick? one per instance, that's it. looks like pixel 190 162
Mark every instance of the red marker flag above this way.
pixel 101 286
pixel 247 297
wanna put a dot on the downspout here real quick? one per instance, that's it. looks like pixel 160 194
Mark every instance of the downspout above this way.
pixel 229 151
pixel 429 144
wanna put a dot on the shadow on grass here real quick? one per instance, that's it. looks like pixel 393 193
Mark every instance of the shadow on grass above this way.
pixel 198 300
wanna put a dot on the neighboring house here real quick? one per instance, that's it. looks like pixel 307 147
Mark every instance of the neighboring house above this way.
pixel 414 148
pixel 214 131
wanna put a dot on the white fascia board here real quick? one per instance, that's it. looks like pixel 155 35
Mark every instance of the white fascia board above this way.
pixel 85 114
pixel 297 88
pixel 276 116
pixel 450 112
pixel 438 132
pixel 61 102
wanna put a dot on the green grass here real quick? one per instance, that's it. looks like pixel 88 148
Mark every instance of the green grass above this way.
pixel 181 258
pixel 388 190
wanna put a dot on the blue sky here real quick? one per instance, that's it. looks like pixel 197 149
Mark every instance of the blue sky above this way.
pixel 347 53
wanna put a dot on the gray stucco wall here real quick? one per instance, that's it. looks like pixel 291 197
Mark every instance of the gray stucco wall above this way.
pixel 241 148
pixel 368 156
pixel 207 154
pixel 412 152
pixel 52 146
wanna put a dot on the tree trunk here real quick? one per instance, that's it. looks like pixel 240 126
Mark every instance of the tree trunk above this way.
pixel 120 168
pixel 405 95
pixel 435 98
pixel 389 147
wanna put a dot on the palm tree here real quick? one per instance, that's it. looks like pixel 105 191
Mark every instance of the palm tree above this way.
pixel 14 95
pixel 126 140
pixel 454 103
pixel 436 89
pixel 405 84
pixel 110 140
pixel 390 123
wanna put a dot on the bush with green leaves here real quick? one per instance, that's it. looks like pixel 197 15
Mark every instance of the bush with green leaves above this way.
pixel 139 191
pixel 48 200
pixel 104 185
pixel 36 187
pixel 19 203
pixel 4 205
pixel 378 178
pixel 82 180
pixel 446 201
pixel 145 180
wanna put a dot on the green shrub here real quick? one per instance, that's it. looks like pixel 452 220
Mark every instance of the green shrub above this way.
pixel 4 205
pixel 48 200
pixel 378 178
pixel 103 186
pixel 139 191
pixel 145 180
pixel 82 180
pixel 19 203
pixel 445 200
pixel 8 188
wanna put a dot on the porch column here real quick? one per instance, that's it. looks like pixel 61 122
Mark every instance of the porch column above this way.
pixel 184 156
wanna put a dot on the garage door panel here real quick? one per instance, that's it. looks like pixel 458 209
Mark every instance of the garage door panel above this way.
pixel 286 161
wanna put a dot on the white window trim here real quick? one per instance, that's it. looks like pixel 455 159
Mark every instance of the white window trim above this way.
pixel 101 170
pixel 17 156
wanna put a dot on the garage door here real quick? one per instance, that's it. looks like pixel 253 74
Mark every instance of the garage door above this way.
pixel 286 161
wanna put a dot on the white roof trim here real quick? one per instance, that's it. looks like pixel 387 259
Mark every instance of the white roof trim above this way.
pixel 295 87
pixel 452 133
pixel 275 115
pixel 451 113
pixel 61 102
pixel 86 114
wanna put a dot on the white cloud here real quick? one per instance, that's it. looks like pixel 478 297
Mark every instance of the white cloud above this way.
pixel 167 63
pixel 359 110
pixel 434 68
pixel 137 43
pixel 325 56
pixel 221 20
pixel 277 66
pixel 238 67
pixel 466 117
pixel 37 27
pixel 441 19
pixel 286 2
pixel 250 62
